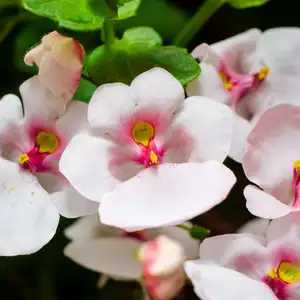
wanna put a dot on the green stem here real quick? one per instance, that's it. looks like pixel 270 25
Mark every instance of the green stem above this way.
pixel 108 33
pixel 205 12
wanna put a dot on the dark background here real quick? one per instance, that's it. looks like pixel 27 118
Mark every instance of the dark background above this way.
pixel 48 275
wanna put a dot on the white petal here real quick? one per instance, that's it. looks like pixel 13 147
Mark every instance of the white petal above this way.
pixel 11 108
pixel 28 219
pixel 239 143
pixel 74 119
pixel 147 201
pixel 89 228
pixel 110 104
pixel 39 101
pixel 210 126
pixel 111 256
pixel 264 205
pixel 87 168
pixel 224 249
pixel 71 204
pixel 209 84
pixel 212 282
pixel 256 226
pixel 159 89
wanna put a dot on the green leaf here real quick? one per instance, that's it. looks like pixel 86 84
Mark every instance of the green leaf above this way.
pixel 139 50
pixel 85 91
pixel 199 232
pixel 78 15
pixel 240 4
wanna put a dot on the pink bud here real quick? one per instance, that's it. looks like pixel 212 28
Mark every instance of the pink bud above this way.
pixel 162 264
pixel 60 61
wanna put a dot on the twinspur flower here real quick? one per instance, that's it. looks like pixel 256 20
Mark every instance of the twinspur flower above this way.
pixel 151 157
pixel 60 61
pixel 111 251
pixel 273 163
pixel 250 72
pixel 162 264
pixel 248 266
pixel 32 191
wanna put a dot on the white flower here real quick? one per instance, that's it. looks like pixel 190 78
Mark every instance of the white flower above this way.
pixel 247 266
pixel 152 158
pixel 32 191
pixel 112 251
pixel 250 72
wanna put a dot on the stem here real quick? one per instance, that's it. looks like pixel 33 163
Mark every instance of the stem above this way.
pixel 205 12
pixel 107 32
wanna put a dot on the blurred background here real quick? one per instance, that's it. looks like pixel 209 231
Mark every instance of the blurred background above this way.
pixel 48 275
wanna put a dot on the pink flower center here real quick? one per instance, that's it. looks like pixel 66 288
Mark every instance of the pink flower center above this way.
pixel 240 85
pixel 296 184
pixel 279 278
pixel 45 143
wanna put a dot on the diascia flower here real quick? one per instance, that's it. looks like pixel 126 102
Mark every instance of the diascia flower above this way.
pixel 32 191
pixel 272 162
pixel 250 72
pixel 60 60
pixel 111 251
pixel 247 266
pixel 151 157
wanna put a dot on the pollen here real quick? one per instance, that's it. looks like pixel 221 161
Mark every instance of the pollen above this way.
pixel 153 157
pixel 23 158
pixel 289 273
pixel 142 133
pixel 227 84
pixel 272 273
pixel 47 142
pixel 263 73
pixel 297 165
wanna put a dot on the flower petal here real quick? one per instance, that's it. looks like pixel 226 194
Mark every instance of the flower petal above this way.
pixel 39 101
pixel 224 249
pixel 111 256
pixel 273 147
pixel 11 108
pixel 146 200
pixel 209 84
pixel 90 228
pixel 209 124
pixel 158 88
pixel 87 168
pixel 28 218
pixel 256 226
pixel 264 205
pixel 239 144
pixel 71 204
pixel 217 283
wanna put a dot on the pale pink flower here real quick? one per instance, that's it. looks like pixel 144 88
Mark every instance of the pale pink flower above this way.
pixel 273 163
pixel 152 158
pixel 250 72
pixel 247 266
pixel 59 59
pixel 32 191
pixel 112 251
pixel 162 264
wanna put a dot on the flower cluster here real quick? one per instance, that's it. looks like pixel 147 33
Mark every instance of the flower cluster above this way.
pixel 141 160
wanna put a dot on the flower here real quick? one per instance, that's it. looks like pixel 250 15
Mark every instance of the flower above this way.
pixel 250 72
pixel 111 251
pixel 246 266
pixel 32 190
pixel 151 158
pixel 272 162
pixel 60 61
pixel 162 264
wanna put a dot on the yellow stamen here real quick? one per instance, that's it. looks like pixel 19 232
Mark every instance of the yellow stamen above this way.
pixel 153 157
pixel 47 142
pixel 263 73
pixel 227 84
pixel 297 165
pixel 289 273
pixel 23 158
pixel 272 273
pixel 142 133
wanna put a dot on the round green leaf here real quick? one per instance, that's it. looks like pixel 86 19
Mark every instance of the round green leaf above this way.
pixel 85 91
pixel 142 35
pixel 240 4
